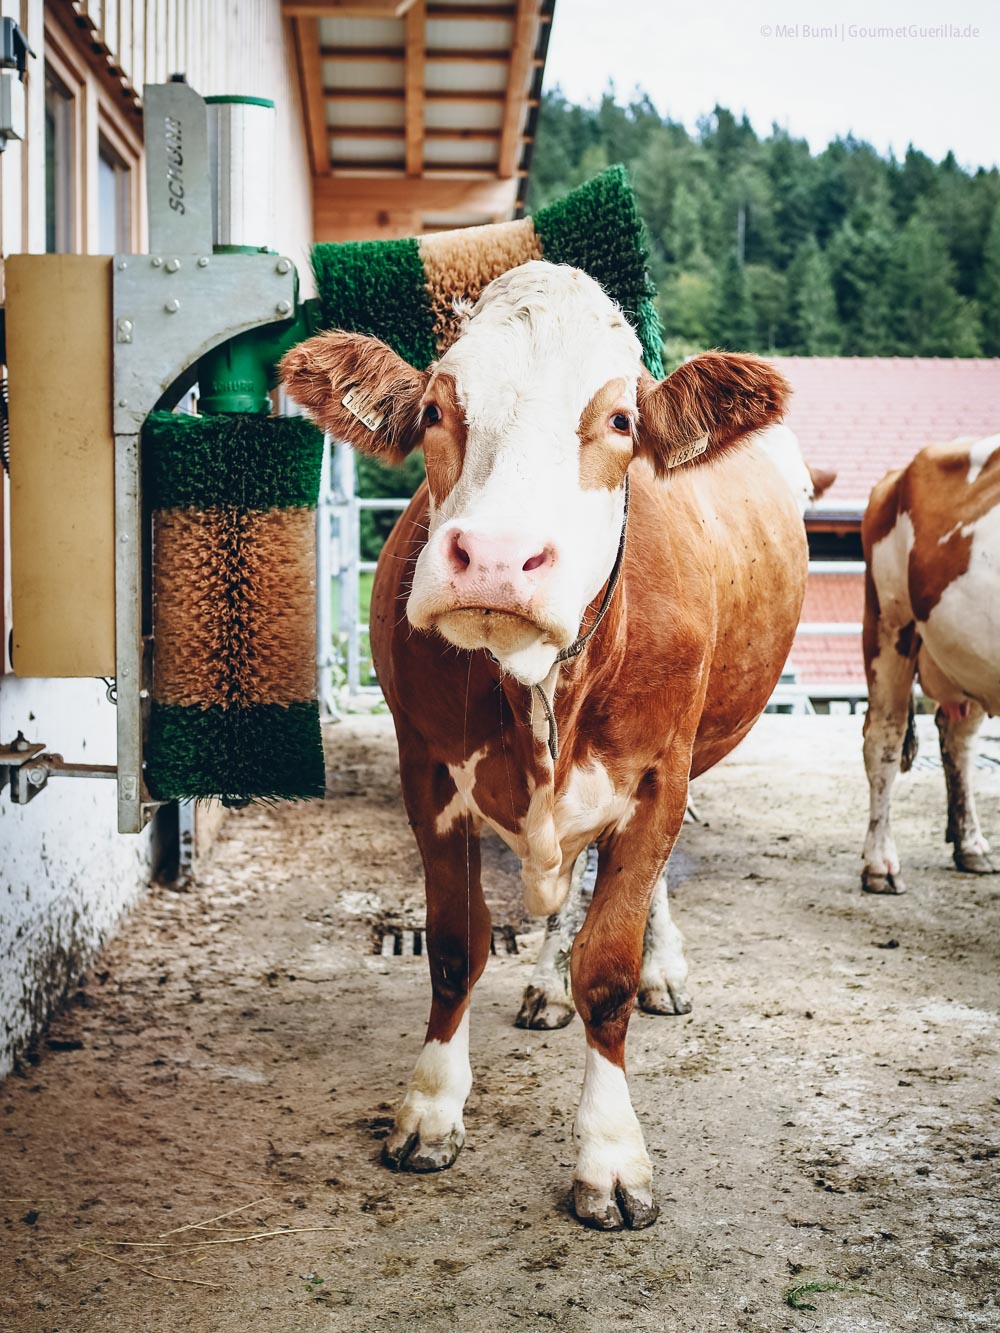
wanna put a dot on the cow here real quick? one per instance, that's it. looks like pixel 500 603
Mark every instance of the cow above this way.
pixel 588 603
pixel 931 538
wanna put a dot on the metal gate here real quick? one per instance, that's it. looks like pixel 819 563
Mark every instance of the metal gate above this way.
pixel 347 655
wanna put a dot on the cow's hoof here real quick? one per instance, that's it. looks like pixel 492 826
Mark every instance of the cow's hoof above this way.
pixel 975 863
pixel 875 881
pixel 665 1001
pixel 409 1152
pixel 612 1212
pixel 543 1011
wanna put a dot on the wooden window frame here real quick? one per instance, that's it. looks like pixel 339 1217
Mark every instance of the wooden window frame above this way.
pixel 94 116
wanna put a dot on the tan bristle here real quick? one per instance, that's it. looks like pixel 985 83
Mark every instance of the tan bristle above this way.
pixel 459 264
pixel 234 607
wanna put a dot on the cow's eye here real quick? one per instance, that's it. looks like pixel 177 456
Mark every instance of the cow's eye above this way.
pixel 621 422
pixel 432 414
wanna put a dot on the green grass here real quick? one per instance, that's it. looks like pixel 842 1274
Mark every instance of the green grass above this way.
pixel 794 1295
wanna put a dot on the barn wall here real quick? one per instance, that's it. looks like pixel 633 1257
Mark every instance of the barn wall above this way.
pixel 66 875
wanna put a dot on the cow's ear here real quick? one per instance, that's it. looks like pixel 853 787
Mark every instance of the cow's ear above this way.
pixel 359 390
pixel 708 404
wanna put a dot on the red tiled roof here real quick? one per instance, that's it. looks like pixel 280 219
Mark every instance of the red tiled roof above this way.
pixel 834 597
pixel 825 659
pixel 865 415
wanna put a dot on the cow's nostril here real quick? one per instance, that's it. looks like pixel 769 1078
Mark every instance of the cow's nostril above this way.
pixel 458 551
pixel 535 562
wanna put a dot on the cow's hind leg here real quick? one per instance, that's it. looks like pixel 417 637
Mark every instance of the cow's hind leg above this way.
pixel 547 1001
pixel 429 1129
pixel 890 662
pixel 958 728
pixel 663 984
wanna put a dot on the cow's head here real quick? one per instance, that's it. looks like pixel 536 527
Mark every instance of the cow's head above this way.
pixel 528 425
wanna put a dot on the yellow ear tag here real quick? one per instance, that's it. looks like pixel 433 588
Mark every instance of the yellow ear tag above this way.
pixel 689 451
pixel 364 407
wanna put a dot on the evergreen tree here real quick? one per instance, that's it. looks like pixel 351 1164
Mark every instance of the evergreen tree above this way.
pixel 812 307
pixel 733 326
pixel 929 316
pixel 989 289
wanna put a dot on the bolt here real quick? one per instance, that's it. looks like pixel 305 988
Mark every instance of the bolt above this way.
pixel 36 776
pixel 173 265
pixel 123 402
pixel 172 306
pixel 156 261
pixel 124 671
pixel 203 262
pixel 283 265
pixel 124 537
pixel 284 307
pixel 122 265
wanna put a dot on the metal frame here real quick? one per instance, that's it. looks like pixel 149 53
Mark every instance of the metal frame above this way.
pixel 167 312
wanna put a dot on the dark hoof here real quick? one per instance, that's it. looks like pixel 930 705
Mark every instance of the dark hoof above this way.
pixel 540 1011
pixel 607 1212
pixel 664 1001
pixel 872 881
pixel 411 1154
pixel 975 863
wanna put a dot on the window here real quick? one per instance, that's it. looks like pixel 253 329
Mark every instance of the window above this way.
pixel 114 201
pixel 58 166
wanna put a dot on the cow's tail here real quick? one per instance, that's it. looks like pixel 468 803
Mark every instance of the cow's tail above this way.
pixel 909 741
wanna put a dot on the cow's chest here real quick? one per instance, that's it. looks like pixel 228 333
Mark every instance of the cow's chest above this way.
pixel 544 825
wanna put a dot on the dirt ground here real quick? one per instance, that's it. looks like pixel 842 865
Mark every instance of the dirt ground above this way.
pixel 828 1112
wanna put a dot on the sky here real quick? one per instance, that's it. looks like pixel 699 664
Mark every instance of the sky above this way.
pixel 934 89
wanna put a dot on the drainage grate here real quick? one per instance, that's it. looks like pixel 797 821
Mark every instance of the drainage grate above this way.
pixel 408 941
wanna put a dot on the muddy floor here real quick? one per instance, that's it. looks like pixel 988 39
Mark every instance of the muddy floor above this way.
pixel 823 1126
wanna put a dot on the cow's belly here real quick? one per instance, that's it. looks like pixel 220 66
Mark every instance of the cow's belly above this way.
pixel 962 631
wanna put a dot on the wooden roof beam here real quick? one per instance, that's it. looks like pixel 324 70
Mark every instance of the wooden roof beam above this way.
pixel 343 9
pixel 414 73
pixel 521 56
pixel 305 34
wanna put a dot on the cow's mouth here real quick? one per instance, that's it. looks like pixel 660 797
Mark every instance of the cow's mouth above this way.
pixel 502 632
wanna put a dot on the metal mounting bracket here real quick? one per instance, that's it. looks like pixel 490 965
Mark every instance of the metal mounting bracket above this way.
pixel 168 311
pixel 27 765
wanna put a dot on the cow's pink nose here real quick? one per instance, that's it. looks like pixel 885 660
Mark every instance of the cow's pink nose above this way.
pixel 481 556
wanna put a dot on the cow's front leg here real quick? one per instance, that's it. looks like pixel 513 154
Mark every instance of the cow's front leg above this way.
pixel 429 1130
pixel 613 1183
pixel 547 1001
pixel 663 983
pixel 958 727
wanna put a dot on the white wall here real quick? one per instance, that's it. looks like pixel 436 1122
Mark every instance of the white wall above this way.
pixel 66 874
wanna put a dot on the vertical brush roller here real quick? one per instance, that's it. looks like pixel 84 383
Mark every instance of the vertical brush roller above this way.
pixel 234 710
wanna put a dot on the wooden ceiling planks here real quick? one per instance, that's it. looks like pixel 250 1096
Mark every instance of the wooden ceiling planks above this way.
pixel 397 94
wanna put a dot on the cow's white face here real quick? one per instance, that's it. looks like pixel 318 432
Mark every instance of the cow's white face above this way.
pixel 528 425
pixel 535 407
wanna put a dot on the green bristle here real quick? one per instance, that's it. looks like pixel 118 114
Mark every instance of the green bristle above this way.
pixel 267 752
pixel 252 462
pixel 378 288
pixel 597 227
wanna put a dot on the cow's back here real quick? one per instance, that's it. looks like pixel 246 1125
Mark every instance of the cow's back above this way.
pixel 931 535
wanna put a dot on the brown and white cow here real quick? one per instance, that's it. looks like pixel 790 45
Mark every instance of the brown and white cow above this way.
pixel 931 536
pixel 533 424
